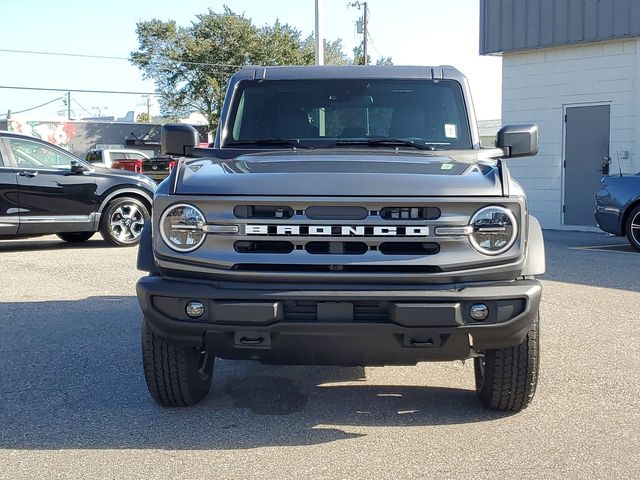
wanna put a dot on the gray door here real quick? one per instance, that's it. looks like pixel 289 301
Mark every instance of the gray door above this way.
pixel 586 152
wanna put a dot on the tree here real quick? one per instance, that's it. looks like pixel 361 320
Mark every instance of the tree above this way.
pixel 143 117
pixel 191 66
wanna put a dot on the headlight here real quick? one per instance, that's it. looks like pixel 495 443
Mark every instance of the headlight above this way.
pixel 182 227
pixel 495 230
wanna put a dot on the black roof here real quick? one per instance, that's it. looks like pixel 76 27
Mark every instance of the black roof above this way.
pixel 352 71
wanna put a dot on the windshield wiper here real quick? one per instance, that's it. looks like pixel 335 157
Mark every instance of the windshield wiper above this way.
pixel 287 142
pixel 390 142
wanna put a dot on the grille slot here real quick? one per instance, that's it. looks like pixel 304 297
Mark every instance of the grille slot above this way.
pixel 363 311
pixel 336 248
pixel 410 213
pixel 263 247
pixel 262 211
pixel 409 248
pixel 304 268
pixel 336 213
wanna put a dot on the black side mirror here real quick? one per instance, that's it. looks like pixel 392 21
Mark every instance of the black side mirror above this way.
pixel 77 167
pixel 518 140
pixel 178 139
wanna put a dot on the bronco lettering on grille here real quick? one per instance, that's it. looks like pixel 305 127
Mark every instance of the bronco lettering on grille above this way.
pixel 337 230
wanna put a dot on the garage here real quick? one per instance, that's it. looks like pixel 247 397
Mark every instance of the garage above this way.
pixel 573 68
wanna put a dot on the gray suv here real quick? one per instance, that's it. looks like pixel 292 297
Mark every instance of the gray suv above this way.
pixel 344 216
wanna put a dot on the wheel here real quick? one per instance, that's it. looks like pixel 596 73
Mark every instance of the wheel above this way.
pixel 75 237
pixel 122 221
pixel 633 228
pixel 176 375
pixel 506 378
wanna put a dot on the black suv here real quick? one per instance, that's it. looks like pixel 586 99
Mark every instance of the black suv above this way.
pixel 44 190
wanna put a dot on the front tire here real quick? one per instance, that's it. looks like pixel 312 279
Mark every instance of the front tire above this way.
pixel 633 228
pixel 122 221
pixel 75 237
pixel 506 378
pixel 176 375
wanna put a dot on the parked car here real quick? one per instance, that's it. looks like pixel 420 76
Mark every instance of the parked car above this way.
pixel 120 159
pixel 618 207
pixel 345 216
pixel 156 168
pixel 46 190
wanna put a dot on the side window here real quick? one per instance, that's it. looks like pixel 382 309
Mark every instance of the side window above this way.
pixel 136 156
pixel 117 156
pixel 30 154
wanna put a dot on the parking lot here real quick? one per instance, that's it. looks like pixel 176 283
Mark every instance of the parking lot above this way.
pixel 73 403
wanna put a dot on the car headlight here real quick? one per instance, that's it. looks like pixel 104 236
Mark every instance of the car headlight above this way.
pixel 495 230
pixel 182 227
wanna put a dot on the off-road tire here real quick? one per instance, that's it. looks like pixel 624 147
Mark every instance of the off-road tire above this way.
pixel 506 378
pixel 632 228
pixel 174 373
pixel 118 209
pixel 75 237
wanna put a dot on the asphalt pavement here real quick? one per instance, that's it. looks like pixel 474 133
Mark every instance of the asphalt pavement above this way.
pixel 73 403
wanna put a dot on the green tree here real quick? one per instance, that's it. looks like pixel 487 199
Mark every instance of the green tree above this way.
pixel 191 66
pixel 143 117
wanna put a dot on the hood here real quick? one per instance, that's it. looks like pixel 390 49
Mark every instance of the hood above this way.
pixel 340 174
pixel 127 176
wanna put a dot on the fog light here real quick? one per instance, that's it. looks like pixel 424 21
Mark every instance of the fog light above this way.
pixel 195 309
pixel 479 311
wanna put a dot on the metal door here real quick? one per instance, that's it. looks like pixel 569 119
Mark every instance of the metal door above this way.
pixel 9 205
pixel 586 160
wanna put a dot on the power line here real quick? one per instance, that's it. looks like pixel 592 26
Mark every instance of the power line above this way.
pixel 75 90
pixel 108 57
pixel 36 107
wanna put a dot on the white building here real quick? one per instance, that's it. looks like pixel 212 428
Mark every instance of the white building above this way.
pixel 572 67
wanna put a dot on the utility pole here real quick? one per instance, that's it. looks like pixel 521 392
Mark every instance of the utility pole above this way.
pixel 68 105
pixel 148 108
pixel 319 33
pixel 363 27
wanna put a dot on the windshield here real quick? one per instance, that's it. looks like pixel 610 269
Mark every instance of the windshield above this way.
pixel 327 112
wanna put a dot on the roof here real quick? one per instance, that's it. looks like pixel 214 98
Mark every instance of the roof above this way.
pixel 352 71
pixel 515 25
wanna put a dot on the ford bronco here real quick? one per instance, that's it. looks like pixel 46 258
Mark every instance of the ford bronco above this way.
pixel 343 216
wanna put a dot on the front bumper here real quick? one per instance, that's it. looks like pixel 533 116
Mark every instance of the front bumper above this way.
pixel 323 325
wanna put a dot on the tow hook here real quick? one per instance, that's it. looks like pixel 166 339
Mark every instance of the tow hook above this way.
pixel 205 363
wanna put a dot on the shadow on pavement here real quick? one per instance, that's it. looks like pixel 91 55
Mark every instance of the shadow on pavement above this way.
pixel 50 243
pixel 72 378
pixel 572 258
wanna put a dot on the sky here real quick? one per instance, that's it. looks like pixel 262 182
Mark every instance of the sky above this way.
pixel 412 32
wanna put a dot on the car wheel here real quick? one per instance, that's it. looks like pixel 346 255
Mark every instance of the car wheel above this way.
pixel 75 237
pixel 176 375
pixel 633 228
pixel 506 378
pixel 122 221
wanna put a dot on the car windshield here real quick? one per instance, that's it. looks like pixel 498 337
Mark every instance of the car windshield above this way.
pixel 325 113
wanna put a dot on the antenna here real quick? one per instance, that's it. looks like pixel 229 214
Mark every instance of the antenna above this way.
pixel 619 164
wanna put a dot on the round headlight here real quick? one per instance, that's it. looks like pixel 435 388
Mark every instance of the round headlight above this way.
pixel 182 227
pixel 495 230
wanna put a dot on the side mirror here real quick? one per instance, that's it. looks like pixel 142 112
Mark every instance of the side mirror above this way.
pixel 77 167
pixel 178 139
pixel 518 140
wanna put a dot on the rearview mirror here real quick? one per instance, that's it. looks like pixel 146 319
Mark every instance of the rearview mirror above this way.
pixel 518 140
pixel 77 167
pixel 178 139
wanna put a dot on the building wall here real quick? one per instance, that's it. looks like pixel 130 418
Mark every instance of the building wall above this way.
pixel 539 84
pixel 510 25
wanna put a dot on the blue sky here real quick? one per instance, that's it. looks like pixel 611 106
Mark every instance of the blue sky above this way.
pixel 422 32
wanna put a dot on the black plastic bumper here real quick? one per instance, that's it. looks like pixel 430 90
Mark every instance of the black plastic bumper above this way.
pixel 351 326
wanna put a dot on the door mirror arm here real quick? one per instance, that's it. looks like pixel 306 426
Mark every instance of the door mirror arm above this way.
pixel 77 167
